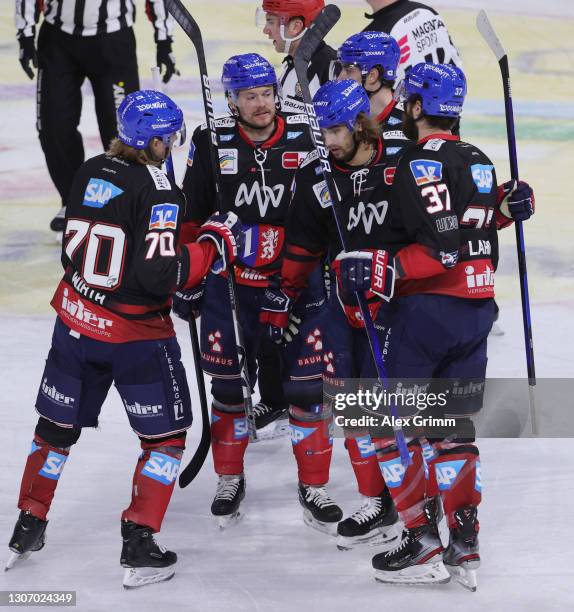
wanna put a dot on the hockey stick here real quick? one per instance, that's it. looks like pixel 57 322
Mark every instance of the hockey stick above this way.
pixel 487 31
pixel 192 468
pixel 311 40
pixel 191 29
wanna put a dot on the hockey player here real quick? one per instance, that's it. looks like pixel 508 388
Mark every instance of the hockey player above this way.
pixel 259 153
pixel 121 263
pixel 372 59
pixel 81 39
pixel 285 22
pixel 445 201
pixel 420 31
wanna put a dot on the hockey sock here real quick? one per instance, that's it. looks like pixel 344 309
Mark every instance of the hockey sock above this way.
pixel 154 480
pixel 457 470
pixel 407 486
pixel 429 455
pixel 365 465
pixel 312 447
pixel 229 439
pixel 40 479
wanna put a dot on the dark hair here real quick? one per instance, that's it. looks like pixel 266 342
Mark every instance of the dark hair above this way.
pixel 367 129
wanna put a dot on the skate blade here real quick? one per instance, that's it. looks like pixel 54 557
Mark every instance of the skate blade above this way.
pixel 224 522
pixel 426 573
pixel 136 577
pixel 328 528
pixel 465 575
pixel 384 537
pixel 16 559
pixel 496 330
pixel 273 431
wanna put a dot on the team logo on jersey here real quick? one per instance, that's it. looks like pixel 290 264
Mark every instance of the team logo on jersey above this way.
pixel 163 217
pixel 426 171
pixel 262 195
pixel 269 241
pixel 161 467
pixel 292 159
pixel 449 259
pixel 99 192
pixel 367 214
pixel 322 194
pixel 228 161
pixel 53 465
pixel 315 340
pixel 328 360
pixel 483 177
pixel 215 344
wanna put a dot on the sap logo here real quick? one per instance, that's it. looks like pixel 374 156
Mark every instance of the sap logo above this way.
pixel 99 192
pixel 394 121
pixel 478 478
pixel 293 135
pixel 365 446
pixel 53 465
pixel 483 177
pixel 428 451
pixel 426 171
pixel 240 430
pixel 161 467
pixel 228 161
pixel 447 472
pixel 367 214
pixel 393 471
pixel 393 150
pixel 322 194
pixel 226 137
pixel 214 418
pixel 300 433
pixel 262 195
pixel 163 216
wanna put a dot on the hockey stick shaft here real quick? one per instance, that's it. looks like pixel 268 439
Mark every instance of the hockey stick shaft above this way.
pixel 324 22
pixel 195 464
pixel 193 32
pixel 487 31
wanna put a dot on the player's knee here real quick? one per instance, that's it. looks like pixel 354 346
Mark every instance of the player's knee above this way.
pixel 176 441
pixel 226 393
pixel 312 413
pixel 304 394
pixel 56 435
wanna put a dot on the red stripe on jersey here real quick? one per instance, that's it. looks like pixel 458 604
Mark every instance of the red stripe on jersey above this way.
pixel 275 137
pixel 439 135
pixel 386 111
pixel 298 264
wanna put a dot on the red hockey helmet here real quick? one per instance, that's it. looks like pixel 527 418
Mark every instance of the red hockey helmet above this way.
pixel 287 9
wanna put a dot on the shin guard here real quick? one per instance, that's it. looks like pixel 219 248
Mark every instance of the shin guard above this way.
pixel 457 470
pixel 40 479
pixel 365 465
pixel 312 446
pixel 229 439
pixel 154 480
pixel 407 486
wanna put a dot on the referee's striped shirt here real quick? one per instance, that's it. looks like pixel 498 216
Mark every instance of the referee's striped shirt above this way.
pixel 91 17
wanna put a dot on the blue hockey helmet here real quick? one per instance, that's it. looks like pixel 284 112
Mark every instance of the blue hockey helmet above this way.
pixel 247 71
pixel 340 103
pixel 148 114
pixel 368 50
pixel 442 88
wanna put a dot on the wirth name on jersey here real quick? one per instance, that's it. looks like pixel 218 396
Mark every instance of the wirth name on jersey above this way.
pixel 256 184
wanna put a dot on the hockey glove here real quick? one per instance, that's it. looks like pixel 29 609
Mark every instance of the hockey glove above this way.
pixel 28 54
pixel 165 57
pixel 275 315
pixel 516 203
pixel 225 231
pixel 366 270
pixel 187 303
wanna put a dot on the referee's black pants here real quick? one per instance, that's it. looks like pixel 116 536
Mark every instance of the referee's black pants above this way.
pixel 64 61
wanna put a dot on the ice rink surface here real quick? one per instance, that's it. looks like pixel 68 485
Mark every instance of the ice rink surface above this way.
pixel 271 561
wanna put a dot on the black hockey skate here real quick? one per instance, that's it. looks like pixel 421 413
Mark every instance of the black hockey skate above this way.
pixel 29 536
pixel 319 510
pixel 230 492
pixel 58 223
pixel 375 523
pixel 144 560
pixel 434 513
pixel 271 421
pixel 416 560
pixel 461 557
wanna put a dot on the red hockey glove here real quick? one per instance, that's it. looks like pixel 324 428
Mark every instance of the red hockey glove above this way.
pixel 225 231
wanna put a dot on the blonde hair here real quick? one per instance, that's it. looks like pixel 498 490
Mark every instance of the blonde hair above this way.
pixel 119 149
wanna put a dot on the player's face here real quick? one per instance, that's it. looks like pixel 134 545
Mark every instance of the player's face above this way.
pixel 272 29
pixel 350 71
pixel 340 142
pixel 257 106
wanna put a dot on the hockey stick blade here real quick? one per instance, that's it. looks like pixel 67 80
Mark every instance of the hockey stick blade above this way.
pixel 321 26
pixel 487 31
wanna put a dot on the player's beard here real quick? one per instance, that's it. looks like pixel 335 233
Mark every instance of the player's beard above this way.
pixel 350 154
pixel 254 126
pixel 410 129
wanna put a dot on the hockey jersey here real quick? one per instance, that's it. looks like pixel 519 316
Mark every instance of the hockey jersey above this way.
pixel 256 184
pixel 120 252
pixel 420 31
pixel 394 140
